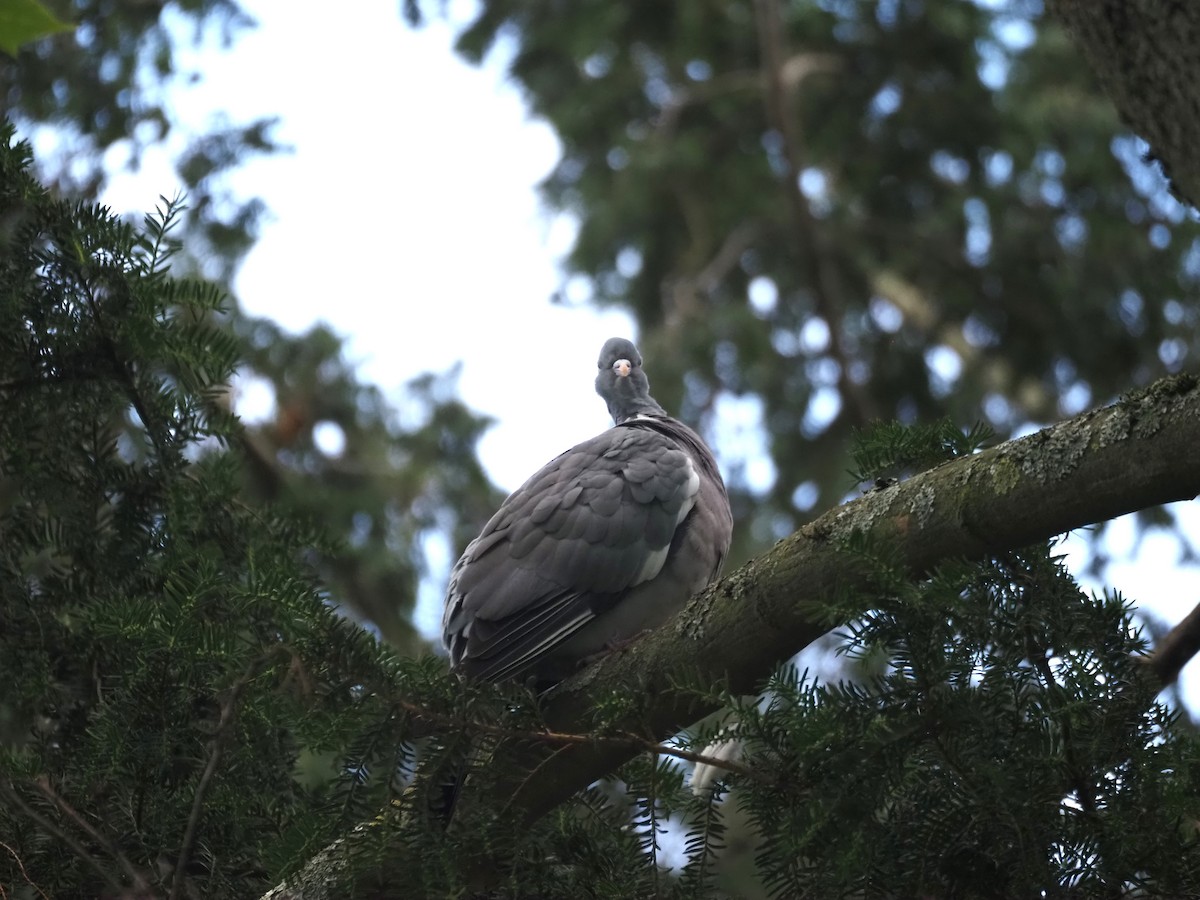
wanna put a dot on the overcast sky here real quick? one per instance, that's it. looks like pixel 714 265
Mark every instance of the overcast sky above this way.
pixel 414 174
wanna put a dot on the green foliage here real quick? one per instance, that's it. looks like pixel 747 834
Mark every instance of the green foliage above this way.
pixel 396 484
pixel 184 708
pixel 22 21
pixel 1011 747
pixel 99 88
pixel 846 211
pixel 188 713
pixel 1002 741
pixel 891 449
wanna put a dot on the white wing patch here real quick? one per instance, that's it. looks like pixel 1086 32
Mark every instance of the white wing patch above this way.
pixel 656 559
pixel 653 565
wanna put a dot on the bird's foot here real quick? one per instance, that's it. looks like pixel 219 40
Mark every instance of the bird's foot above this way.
pixel 613 645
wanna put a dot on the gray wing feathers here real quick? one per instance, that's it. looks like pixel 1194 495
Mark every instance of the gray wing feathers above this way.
pixel 590 525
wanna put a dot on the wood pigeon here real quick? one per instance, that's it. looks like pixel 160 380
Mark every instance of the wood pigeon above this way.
pixel 607 540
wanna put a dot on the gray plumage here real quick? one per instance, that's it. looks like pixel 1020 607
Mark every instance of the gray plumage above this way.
pixel 606 540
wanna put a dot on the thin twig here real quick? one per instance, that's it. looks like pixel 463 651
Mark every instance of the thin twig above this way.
pixel 686 292
pixel 1039 656
pixel 652 822
pixel 795 70
pixel 24 874
pixel 124 372
pixel 727 257
pixel 46 825
pixel 40 380
pixel 43 784
pixel 682 97
pixel 564 739
pixel 533 773
pixel 1083 789
pixel 216 750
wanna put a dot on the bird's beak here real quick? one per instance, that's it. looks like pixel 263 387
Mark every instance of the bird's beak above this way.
pixel 622 367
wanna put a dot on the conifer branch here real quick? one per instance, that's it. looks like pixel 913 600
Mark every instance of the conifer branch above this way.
pixel 15 798
pixel 625 740
pixel 1075 776
pixel 21 868
pixel 229 707
pixel 135 877
pixel 123 370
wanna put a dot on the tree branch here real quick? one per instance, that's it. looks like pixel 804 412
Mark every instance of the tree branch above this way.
pixel 1176 649
pixel 14 797
pixel 1130 456
pixel 42 783
pixel 1136 454
pixel 626 740
pixel 24 874
pixel 229 708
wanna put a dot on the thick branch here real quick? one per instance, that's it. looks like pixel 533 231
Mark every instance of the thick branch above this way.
pixel 1136 454
pixel 1146 56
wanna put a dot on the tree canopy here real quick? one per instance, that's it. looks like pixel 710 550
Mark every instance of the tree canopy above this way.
pixel 832 214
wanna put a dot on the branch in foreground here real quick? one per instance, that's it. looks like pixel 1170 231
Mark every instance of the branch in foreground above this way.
pixel 21 868
pixel 13 797
pixel 1133 455
pixel 627 741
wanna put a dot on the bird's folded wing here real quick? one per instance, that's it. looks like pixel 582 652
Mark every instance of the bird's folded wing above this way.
pixel 593 523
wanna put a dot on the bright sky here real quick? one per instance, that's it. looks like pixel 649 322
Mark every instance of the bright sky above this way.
pixel 414 174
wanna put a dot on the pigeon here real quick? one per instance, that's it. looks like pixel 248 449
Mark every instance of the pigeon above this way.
pixel 607 540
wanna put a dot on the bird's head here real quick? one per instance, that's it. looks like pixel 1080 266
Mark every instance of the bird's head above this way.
pixel 622 382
